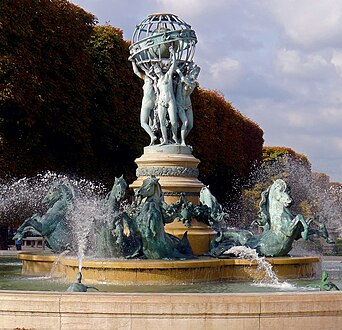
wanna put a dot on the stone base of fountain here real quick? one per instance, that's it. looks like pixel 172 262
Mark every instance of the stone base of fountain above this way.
pixel 176 169
pixel 164 272
pixel 267 311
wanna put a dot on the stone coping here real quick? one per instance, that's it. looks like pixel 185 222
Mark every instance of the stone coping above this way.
pixel 163 264
pixel 165 272
pixel 54 310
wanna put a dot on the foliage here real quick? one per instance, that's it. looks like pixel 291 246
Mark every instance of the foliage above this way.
pixel 226 142
pixel 271 154
pixel 116 135
pixel 45 79
pixel 63 97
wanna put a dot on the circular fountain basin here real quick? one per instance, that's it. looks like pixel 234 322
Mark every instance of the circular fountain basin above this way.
pixel 203 306
pixel 151 272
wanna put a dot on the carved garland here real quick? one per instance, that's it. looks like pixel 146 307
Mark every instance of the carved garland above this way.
pixel 167 171
pixel 187 193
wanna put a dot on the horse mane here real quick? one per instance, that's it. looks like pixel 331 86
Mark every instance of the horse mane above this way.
pixel 159 189
pixel 265 195
pixel 66 190
pixel 279 183
pixel 263 206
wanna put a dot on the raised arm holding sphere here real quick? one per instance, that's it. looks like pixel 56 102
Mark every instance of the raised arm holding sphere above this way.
pixel 185 87
pixel 149 100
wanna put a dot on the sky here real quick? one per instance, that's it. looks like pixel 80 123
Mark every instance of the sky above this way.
pixel 279 62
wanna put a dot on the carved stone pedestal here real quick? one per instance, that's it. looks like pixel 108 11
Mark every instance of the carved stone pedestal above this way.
pixel 176 168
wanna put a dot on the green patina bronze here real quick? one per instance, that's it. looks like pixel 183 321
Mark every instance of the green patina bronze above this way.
pixel 79 287
pixel 145 219
pixel 162 52
pixel 53 225
pixel 111 239
pixel 280 228
pixel 326 284
pixel 149 220
pixel 137 230
pixel 210 210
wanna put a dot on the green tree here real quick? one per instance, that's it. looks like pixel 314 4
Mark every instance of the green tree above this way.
pixel 116 135
pixel 227 143
pixel 45 80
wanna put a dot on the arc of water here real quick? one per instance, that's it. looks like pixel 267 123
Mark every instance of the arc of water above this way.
pixel 56 262
pixel 271 279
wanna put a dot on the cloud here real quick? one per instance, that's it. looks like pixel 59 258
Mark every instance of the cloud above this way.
pixel 193 8
pixel 309 24
pixel 296 120
pixel 338 143
pixel 336 61
pixel 278 61
pixel 332 116
pixel 309 130
pixel 293 63
pixel 225 72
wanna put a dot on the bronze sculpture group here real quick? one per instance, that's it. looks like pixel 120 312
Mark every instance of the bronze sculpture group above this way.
pixel 161 54
pixel 279 227
pixel 137 230
pixel 166 100
pixel 54 225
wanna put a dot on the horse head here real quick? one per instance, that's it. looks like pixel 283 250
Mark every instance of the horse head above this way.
pixel 279 193
pixel 115 196
pixel 273 201
pixel 215 208
pixel 206 197
pixel 58 191
pixel 150 188
pixel 119 188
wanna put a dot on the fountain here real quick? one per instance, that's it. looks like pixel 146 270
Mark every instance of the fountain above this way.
pixel 137 231
pixel 172 233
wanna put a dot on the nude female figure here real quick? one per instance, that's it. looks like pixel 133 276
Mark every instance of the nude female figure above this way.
pixel 148 101
pixel 166 103
pixel 185 87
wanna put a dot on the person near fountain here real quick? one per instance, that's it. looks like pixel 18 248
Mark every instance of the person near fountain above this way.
pixel 148 101
pixel 185 87
pixel 18 244
pixel 166 103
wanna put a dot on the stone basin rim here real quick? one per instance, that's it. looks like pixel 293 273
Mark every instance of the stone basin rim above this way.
pixel 202 262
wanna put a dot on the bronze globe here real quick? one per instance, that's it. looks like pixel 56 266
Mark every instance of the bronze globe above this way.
pixel 153 37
